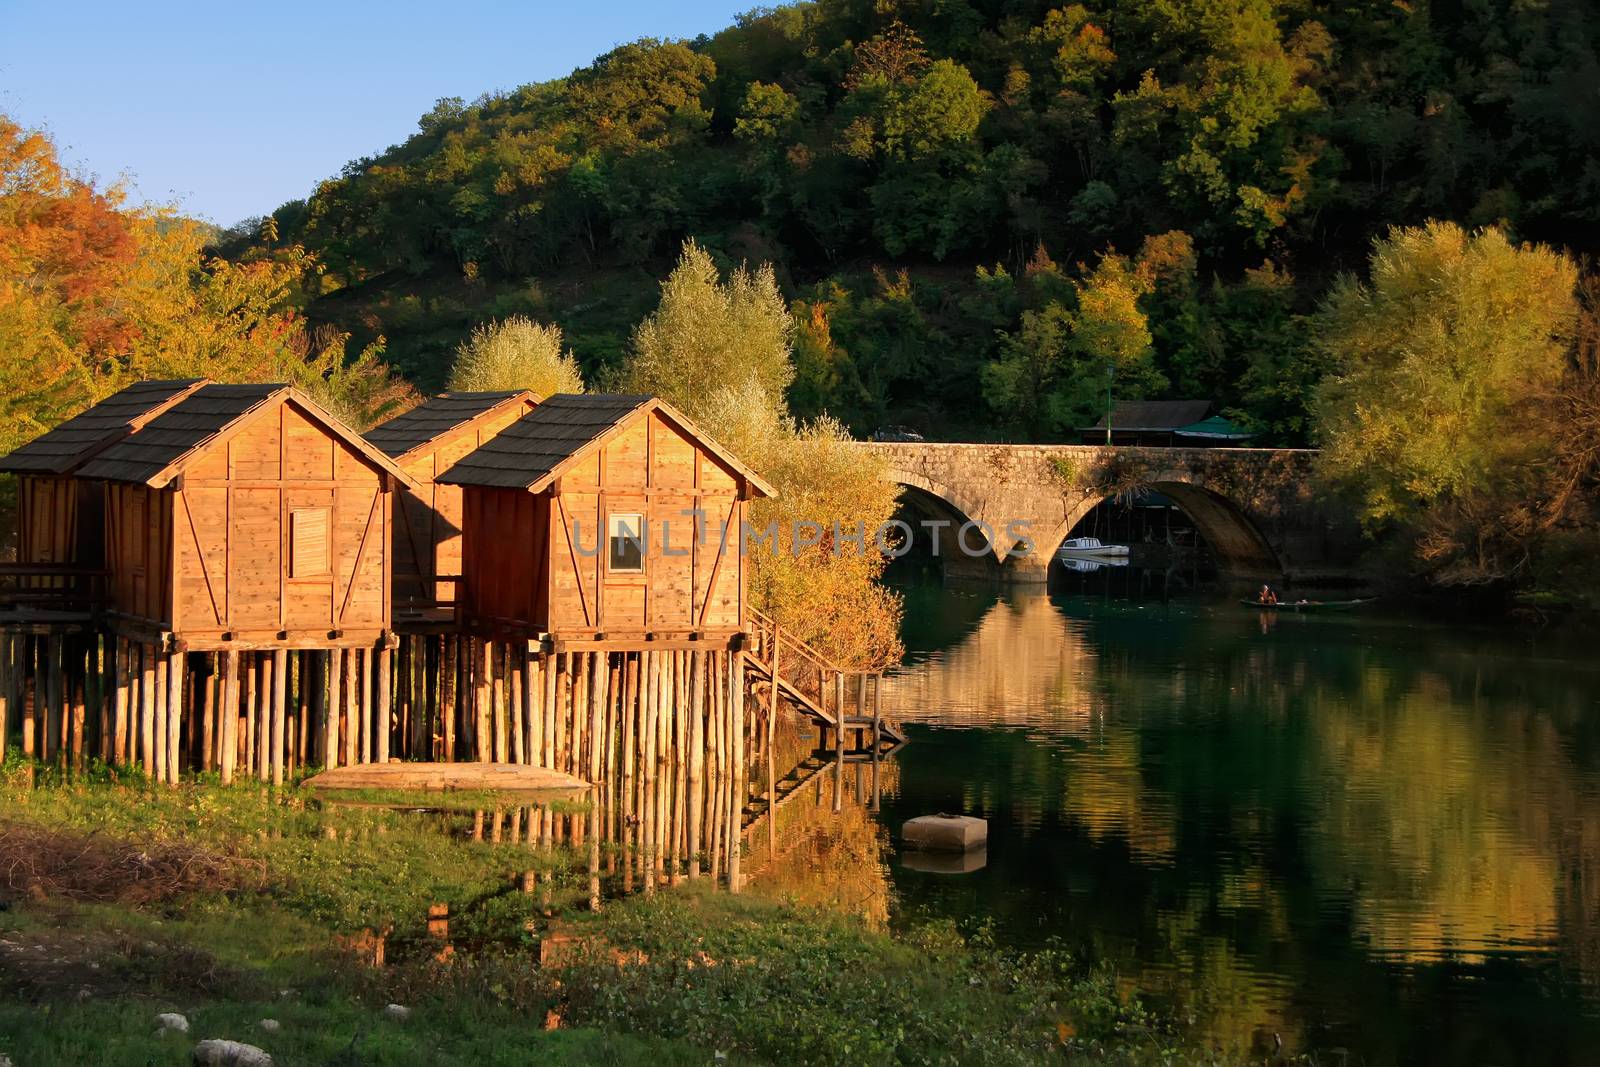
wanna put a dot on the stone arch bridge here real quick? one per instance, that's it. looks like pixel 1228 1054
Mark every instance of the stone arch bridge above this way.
pixel 1254 506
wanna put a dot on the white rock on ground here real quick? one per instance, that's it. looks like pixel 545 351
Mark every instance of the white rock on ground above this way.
pixel 397 1012
pixel 271 1026
pixel 217 1052
pixel 171 1020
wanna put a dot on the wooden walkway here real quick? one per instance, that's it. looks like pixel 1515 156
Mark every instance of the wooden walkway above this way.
pixel 448 777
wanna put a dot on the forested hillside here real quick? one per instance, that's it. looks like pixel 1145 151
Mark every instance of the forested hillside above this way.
pixel 978 208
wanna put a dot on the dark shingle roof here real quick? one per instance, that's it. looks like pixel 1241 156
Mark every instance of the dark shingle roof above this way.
pixel 530 449
pixel 1155 414
pixel 61 450
pixel 178 431
pixel 435 417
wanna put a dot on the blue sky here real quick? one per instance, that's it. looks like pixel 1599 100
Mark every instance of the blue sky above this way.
pixel 232 113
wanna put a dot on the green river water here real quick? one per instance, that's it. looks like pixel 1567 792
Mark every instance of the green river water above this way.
pixel 1376 837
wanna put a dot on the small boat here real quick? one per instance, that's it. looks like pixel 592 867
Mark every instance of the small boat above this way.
pixel 1309 605
pixel 1089 546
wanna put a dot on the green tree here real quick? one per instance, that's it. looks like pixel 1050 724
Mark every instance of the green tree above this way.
pixel 1437 359
pixel 515 353
pixel 708 334
pixel 1055 369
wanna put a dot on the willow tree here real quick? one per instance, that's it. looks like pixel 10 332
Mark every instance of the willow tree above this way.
pixel 515 353
pixel 1433 415
pixel 721 352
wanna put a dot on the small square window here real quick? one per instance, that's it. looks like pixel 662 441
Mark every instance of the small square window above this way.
pixel 625 537
pixel 308 543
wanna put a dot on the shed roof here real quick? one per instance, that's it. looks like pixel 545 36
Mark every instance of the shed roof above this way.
pixel 80 438
pixel 437 417
pixel 159 450
pixel 533 451
pixel 1216 428
pixel 1154 414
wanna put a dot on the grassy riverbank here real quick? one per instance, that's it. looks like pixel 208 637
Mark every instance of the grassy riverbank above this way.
pixel 234 906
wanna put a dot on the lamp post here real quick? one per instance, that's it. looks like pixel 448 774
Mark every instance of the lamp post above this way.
pixel 1111 373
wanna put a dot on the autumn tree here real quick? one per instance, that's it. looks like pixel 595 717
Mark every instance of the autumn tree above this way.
pixel 1429 418
pixel 515 353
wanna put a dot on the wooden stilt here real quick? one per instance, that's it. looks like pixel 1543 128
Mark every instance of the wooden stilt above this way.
pixel 175 672
pixel 265 692
pixel 7 641
pixel 280 713
pixel 333 687
pixel 158 727
pixel 482 693
pixel 838 744
pixel 772 770
pixel 515 662
pixel 208 716
pixel 550 671
pixel 449 674
pixel 497 696
pixel 736 808
pixel 352 707
pixel 532 701
pixel 383 715
pixel 228 724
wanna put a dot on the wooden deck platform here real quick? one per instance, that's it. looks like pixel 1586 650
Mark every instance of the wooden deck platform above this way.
pixel 448 777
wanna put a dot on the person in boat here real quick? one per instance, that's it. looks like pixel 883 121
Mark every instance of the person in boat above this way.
pixel 1267 596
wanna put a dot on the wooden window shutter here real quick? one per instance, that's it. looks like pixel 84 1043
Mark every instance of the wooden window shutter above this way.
pixel 308 543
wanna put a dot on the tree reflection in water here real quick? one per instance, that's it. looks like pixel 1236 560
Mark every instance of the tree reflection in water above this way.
pixel 1355 831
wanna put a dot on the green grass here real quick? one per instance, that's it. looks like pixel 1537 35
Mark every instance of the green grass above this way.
pixel 669 978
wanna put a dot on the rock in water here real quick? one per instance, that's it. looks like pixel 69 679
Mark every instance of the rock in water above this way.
pixel 945 833
pixel 217 1052
pixel 171 1020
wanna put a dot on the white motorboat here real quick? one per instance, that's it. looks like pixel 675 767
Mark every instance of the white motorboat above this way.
pixel 1090 547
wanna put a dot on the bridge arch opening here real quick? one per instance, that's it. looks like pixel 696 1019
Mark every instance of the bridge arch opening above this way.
pixel 1210 523
pixel 944 537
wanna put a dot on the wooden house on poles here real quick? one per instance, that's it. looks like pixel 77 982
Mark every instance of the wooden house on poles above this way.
pixel 246 547
pixel 243 527
pixel 425 442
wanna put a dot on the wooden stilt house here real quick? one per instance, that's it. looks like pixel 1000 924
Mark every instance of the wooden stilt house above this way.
pixel 245 516
pixel 604 518
pixel 425 442
pixel 58 514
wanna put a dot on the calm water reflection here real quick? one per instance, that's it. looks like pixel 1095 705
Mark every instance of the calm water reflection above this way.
pixel 1357 832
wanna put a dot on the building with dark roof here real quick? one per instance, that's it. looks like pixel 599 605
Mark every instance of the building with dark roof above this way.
pixel 425 442
pixel 1145 422
pixel 604 516
pixel 59 519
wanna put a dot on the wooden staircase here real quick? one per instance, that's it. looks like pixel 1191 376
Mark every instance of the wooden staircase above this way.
pixel 835 699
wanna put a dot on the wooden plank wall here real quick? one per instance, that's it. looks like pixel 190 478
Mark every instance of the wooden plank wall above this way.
pixel 693 577
pixel 428 521
pixel 139 552
pixel 236 570
pixel 60 520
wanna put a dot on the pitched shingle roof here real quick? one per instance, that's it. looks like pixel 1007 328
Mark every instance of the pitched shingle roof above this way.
pixel 532 451
pixel 1155 414
pixel 157 452
pixel 80 438
pixel 436 417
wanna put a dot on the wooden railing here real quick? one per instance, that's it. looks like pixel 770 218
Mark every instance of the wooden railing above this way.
pixel 45 590
pixel 827 692
pixel 431 598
